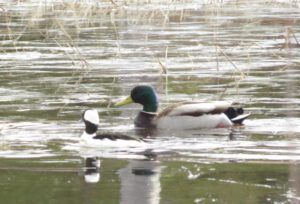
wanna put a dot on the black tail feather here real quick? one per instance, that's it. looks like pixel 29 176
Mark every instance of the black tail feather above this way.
pixel 232 112
pixel 236 115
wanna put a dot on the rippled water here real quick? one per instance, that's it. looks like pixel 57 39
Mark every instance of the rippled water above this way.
pixel 59 58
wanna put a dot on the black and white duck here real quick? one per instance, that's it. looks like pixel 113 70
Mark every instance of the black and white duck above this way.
pixel 90 137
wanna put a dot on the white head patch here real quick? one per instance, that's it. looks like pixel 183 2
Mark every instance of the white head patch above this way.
pixel 91 116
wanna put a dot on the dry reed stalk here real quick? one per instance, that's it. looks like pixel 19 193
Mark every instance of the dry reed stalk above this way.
pixel 73 63
pixel 275 55
pixel 287 38
pixel 192 61
pixel 110 102
pixel 231 62
pixel 164 71
pixel 113 22
pixel 82 59
pixel 216 32
pixel 113 2
pixel 237 80
pixel 226 87
pixel 293 33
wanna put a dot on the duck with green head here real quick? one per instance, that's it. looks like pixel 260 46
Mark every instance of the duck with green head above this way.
pixel 185 115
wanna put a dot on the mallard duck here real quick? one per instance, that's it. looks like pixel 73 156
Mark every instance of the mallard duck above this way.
pixel 185 115
pixel 90 137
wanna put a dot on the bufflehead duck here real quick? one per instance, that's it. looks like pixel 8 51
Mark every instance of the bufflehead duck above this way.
pixel 185 115
pixel 90 137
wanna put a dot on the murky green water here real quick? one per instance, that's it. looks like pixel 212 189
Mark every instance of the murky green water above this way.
pixel 58 58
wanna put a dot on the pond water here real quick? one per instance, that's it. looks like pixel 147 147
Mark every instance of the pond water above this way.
pixel 58 58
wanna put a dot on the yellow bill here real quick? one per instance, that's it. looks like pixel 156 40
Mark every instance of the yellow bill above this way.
pixel 126 101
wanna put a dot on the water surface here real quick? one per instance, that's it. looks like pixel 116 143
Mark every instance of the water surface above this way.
pixel 59 58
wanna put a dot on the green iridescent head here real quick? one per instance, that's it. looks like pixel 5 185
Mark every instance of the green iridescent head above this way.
pixel 144 95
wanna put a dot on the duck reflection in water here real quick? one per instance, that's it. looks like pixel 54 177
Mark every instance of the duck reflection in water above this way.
pixel 140 179
pixel 92 170
pixel 140 182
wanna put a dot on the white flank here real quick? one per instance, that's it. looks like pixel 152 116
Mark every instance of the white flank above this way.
pixel 190 108
pixel 222 104
pixel 88 141
pixel 199 107
pixel 92 116
pixel 86 137
pixel 190 122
